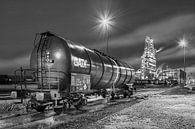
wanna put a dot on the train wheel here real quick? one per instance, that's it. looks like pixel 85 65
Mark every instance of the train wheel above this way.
pixel 104 95
pixel 58 110
pixel 124 95
pixel 130 93
pixel 28 106
pixel 40 108
pixel 65 106
pixel 79 106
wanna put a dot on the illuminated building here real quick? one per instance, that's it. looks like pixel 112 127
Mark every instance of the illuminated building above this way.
pixel 148 60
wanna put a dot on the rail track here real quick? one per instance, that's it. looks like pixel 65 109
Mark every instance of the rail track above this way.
pixel 50 119
pixel 20 120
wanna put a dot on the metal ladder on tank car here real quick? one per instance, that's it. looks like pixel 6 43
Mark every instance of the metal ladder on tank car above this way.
pixel 41 52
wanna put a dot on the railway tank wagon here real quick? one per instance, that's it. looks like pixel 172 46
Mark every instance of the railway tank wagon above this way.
pixel 65 69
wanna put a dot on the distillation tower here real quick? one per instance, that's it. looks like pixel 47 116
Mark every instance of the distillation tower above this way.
pixel 148 60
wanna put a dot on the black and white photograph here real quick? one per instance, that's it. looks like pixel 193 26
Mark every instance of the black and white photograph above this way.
pixel 97 64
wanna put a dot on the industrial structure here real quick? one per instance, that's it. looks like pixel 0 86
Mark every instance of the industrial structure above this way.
pixel 148 60
pixel 173 75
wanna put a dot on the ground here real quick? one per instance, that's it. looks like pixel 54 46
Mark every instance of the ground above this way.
pixel 160 111
pixel 150 108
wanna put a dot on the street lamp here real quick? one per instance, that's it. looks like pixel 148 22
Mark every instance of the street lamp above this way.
pixel 105 23
pixel 183 43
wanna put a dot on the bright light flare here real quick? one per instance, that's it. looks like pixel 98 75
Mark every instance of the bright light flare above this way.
pixel 183 42
pixel 105 21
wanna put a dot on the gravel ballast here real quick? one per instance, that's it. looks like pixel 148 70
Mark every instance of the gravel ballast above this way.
pixel 157 108
pixel 158 112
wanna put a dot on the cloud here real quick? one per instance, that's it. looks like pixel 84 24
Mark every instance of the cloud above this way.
pixel 134 61
pixel 127 47
pixel 176 52
pixel 161 32
pixel 9 66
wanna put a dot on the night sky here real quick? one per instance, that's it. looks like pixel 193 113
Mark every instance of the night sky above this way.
pixel 166 21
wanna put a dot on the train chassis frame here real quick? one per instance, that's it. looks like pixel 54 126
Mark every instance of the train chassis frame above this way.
pixel 58 105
